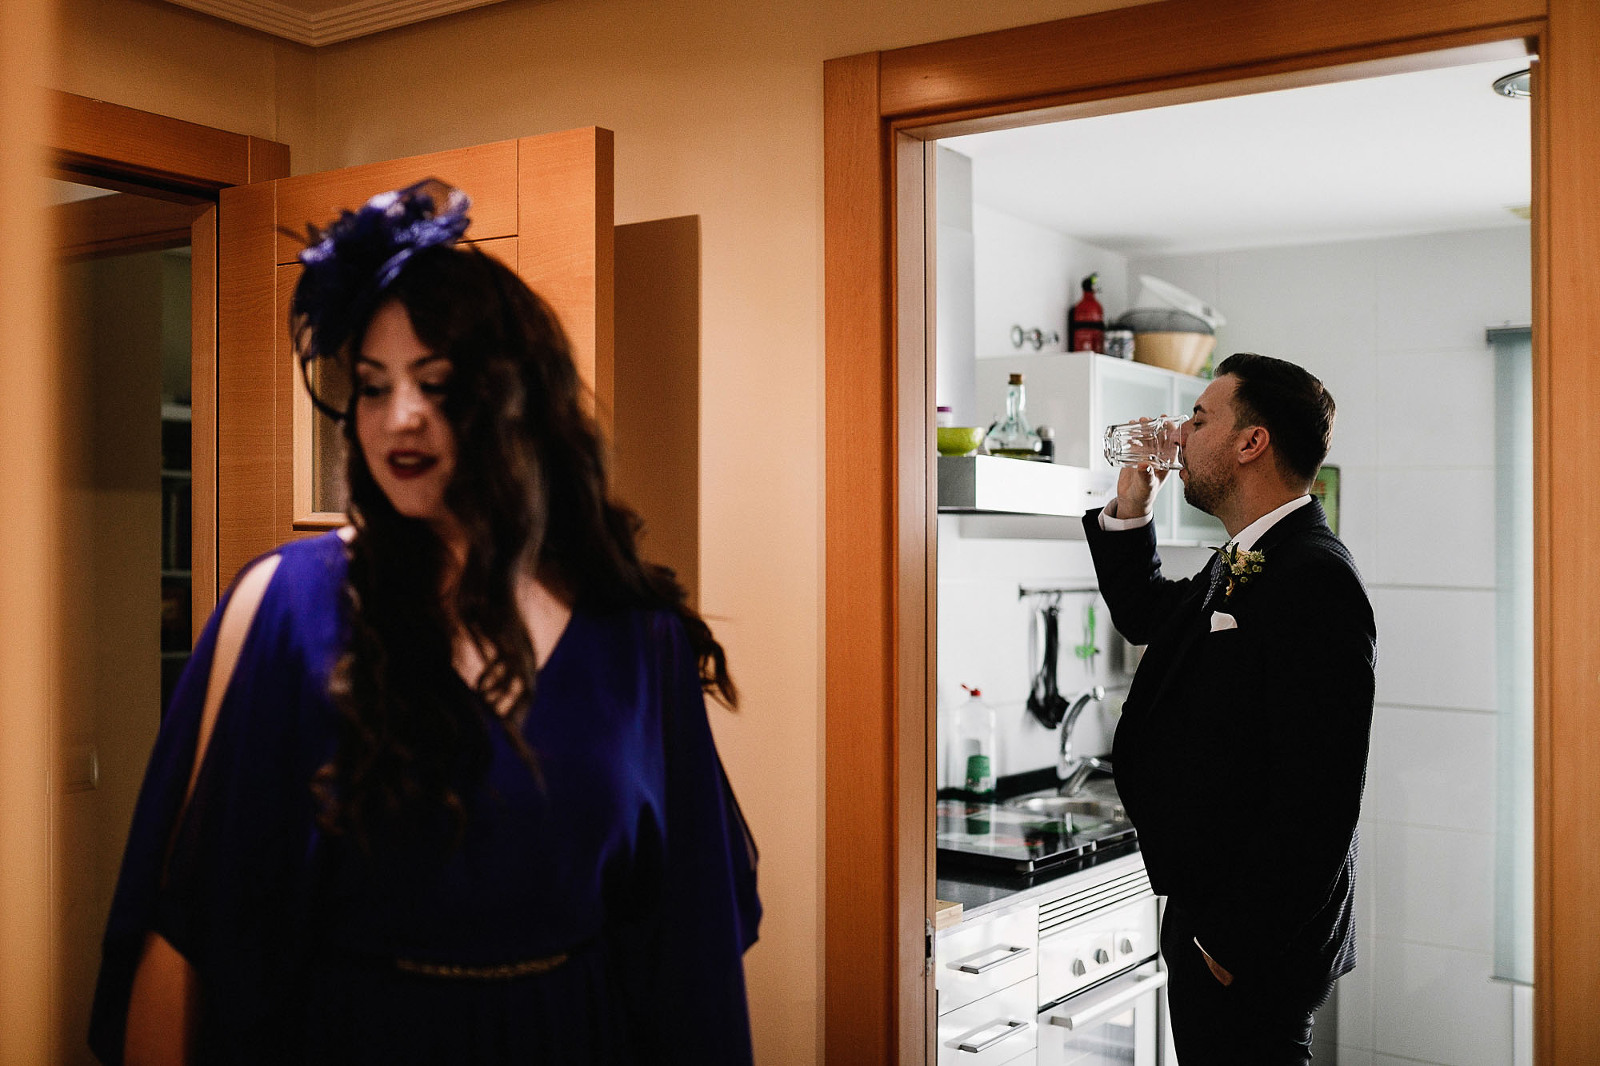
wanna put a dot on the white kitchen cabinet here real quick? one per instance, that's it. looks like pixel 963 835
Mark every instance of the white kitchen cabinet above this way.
pixel 1078 395
pixel 993 1030
pixel 983 955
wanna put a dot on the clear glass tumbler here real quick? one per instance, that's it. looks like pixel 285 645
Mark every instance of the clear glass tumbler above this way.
pixel 1156 441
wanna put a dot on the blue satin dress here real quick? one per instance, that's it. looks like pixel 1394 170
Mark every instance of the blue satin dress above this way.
pixel 623 876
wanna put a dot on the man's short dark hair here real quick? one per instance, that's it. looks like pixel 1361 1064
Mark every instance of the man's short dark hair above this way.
pixel 1293 405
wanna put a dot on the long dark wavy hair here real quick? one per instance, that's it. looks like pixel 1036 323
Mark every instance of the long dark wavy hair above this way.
pixel 530 490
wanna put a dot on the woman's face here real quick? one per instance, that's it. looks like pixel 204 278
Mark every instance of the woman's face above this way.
pixel 400 423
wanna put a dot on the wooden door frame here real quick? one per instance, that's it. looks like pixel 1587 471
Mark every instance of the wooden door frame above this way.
pixel 118 147
pixel 879 541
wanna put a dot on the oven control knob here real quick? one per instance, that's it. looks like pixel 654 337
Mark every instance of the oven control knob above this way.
pixel 1126 947
pixel 1078 968
pixel 1102 956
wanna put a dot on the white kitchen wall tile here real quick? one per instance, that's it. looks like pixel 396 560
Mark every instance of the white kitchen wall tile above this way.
pixel 1364 895
pixel 1435 527
pixel 1007 559
pixel 1298 303
pixel 1354 1002
pixel 1432 886
pixel 1358 516
pixel 1446 289
pixel 1391 1060
pixel 1352 1056
pixel 1436 647
pixel 1351 377
pixel 1429 767
pixel 1436 407
pixel 1439 1005
pixel 983 641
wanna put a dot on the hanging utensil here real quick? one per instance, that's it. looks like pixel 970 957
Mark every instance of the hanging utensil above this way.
pixel 1088 650
pixel 1045 701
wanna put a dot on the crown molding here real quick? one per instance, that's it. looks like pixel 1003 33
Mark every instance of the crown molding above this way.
pixel 331 25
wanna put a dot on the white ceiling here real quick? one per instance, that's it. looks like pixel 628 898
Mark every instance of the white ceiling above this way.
pixel 320 22
pixel 66 192
pixel 1424 152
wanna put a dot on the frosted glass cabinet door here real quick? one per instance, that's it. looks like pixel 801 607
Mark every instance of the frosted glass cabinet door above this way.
pixel 1130 390
pixel 1191 525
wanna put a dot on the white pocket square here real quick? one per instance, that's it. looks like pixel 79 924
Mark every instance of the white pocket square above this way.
pixel 1222 620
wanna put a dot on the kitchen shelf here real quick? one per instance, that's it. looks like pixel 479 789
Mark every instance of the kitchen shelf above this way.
pixel 992 485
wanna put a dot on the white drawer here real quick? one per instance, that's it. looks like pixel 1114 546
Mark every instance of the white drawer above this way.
pixel 982 956
pixel 1027 1058
pixel 994 1030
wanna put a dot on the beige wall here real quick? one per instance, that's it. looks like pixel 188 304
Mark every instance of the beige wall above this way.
pixel 29 408
pixel 155 56
pixel 717 108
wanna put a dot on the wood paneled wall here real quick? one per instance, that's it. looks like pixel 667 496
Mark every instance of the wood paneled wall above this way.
pixel 1144 56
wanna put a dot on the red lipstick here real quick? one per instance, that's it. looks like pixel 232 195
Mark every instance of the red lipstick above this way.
pixel 405 464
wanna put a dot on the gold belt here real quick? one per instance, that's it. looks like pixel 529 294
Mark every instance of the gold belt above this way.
pixel 501 972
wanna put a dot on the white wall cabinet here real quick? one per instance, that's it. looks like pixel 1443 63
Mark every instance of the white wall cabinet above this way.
pixel 1078 395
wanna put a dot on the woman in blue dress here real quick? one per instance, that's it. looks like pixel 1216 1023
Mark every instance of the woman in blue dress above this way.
pixel 457 799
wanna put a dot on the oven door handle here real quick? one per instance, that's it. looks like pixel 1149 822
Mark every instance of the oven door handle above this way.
pixel 1092 1012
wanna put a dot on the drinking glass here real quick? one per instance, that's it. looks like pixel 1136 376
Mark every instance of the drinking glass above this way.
pixel 1155 441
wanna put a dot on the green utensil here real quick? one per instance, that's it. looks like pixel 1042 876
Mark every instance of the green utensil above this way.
pixel 1087 649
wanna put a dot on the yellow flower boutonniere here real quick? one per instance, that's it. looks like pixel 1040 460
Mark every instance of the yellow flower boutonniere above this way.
pixel 1242 566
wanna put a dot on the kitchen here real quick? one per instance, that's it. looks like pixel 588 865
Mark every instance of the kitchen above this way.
pixel 1382 273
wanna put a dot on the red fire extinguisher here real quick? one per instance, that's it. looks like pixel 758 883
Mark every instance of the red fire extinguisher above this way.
pixel 1086 322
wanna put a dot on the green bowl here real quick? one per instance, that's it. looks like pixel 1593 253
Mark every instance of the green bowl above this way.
pixel 959 440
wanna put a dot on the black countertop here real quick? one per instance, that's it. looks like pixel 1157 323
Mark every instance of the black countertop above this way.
pixel 976 884
pixel 973 887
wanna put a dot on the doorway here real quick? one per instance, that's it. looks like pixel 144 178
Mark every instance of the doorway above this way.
pixel 124 312
pixel 135 223
pixel 879 110
pixel 1376 253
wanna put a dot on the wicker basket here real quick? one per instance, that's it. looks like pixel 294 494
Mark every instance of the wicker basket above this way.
pixel 1184 352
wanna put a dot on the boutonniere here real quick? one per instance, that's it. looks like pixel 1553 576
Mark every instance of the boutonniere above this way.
pixel 1241 564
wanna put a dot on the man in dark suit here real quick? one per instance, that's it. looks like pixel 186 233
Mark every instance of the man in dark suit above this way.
pixel 1241 752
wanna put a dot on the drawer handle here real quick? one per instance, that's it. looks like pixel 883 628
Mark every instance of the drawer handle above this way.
pixel 1010 1027
pixel 1093 1012
pixel 1008 953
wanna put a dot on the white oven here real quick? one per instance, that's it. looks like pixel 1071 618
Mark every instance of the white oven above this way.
pixel 1100 984
pixel 1061 974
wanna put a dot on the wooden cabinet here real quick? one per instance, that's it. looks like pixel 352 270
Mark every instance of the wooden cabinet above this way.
pixel 1078 395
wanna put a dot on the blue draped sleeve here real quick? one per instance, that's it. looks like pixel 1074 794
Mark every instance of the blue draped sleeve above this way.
pixel 707 913
pixel 226 879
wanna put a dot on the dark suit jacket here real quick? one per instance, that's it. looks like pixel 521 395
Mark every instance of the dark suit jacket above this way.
pixel 1241 754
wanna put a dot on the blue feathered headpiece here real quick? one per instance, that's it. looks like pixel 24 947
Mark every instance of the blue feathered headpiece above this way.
pixel 348 266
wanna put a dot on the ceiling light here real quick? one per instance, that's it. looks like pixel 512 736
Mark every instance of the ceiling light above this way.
pixel 1516 86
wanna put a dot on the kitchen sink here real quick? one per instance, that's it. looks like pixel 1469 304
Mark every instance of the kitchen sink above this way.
pixel 1056 806
pixel 1033 831
pixel 1082 811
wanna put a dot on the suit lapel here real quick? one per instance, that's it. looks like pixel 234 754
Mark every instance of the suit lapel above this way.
pixel 1301 520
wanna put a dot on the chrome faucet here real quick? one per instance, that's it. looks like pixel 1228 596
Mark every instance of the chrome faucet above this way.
pixel 1072 771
